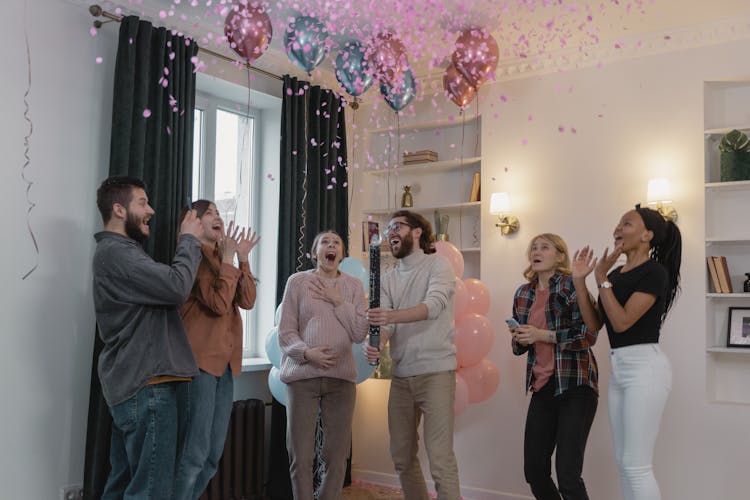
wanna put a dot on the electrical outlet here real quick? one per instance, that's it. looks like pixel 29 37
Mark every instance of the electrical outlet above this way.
pixel 71 492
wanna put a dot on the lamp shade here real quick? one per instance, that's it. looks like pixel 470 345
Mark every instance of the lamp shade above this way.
pixel 658 191
pixel 499 203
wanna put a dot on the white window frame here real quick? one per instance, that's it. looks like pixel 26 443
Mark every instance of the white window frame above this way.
pixel 253 337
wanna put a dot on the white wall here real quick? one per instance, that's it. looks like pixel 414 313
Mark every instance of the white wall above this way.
pixel 634 120
pixel 48 321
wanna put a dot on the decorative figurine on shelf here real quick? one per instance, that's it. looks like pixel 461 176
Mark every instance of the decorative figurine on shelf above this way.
pixel 441 226
pixel 406 199
pixel 746 284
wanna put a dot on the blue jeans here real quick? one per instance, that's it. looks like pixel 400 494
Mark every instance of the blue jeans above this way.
pixel 209 402
pixel 638 389
pixel 144 445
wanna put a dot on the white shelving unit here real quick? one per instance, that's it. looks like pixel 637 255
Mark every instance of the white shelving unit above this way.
pixel 443 185
pixel 727 107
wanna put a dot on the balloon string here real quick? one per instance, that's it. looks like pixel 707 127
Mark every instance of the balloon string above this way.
pixel 350 177
pixel 26 152
pixel 463 180
pixel 477 131
pixel 301 240
pixel 398 157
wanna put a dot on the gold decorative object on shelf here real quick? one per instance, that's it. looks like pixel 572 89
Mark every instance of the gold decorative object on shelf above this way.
pixel 407 201
pixel 441 226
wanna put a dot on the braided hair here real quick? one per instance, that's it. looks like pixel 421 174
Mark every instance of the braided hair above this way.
pixel 665 248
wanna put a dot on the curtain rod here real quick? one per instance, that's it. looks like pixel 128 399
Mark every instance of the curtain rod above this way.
pixel 97 11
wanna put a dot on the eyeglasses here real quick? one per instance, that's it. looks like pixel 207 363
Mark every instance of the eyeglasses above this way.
pixel 394 227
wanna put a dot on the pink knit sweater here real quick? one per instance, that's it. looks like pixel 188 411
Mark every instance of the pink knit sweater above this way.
pixel 309 322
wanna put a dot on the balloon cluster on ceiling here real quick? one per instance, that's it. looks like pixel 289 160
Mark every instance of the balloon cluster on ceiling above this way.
pixel 383 58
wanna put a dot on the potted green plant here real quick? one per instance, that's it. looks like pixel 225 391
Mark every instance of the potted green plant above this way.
pixel 735 156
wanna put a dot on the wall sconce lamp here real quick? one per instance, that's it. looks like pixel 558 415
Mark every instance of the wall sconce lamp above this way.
pixel 500 206
pixel 659 195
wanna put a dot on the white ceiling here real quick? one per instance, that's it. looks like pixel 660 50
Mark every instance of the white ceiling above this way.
pixel 610 21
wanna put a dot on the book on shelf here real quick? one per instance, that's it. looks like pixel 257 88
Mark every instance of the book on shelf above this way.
pixel 722 271
pixel 419 157
pixel 475 189
pixel 715 285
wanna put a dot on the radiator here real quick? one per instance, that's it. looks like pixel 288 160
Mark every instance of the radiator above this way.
pixel 240 474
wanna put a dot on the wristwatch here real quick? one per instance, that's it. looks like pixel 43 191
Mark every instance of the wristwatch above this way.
pixel 605 284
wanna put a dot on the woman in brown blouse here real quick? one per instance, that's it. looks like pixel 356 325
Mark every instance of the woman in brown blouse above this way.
pixel 214 328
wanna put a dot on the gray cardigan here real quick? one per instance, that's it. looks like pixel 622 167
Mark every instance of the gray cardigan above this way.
pixel 136 300
pixel 424 346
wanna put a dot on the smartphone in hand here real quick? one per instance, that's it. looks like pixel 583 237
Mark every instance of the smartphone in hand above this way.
pixel 512 323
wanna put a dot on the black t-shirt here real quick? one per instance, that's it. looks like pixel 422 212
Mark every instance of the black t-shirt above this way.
pixel 650 277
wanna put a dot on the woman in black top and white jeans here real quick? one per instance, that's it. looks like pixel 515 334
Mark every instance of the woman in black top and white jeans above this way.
pixel 633 301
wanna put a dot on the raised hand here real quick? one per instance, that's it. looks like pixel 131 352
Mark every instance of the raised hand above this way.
pixel 606 261
pixel 583 262
pixel 229 243
pixel 321 356
pixel 330 294
pixel 191 224
pixel 246 241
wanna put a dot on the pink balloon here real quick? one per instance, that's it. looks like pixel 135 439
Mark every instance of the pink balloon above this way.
pixel 482 380
pixel 460 300
pixel 454 256
pixel 479 296
pixel 457 87
pixel 387 58
pixel 473 339
pixel 248 30
pixel 476 55
pixel 462 396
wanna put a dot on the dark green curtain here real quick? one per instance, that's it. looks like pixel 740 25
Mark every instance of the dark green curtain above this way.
pixel 152 138
pixel 313 136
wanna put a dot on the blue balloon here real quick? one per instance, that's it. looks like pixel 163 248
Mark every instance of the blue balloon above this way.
pixel 273 350
pixel 278 388
pixel 352 70
pixel 364 368
pixel 354 267
pixel 305 42
pixel 277 316
pixel 400 96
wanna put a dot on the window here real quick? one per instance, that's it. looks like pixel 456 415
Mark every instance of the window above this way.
pixel 235 166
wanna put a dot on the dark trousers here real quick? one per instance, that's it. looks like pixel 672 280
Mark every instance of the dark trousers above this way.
pixel 561 422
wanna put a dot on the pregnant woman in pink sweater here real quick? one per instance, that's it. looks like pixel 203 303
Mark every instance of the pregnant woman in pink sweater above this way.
pixel 322 315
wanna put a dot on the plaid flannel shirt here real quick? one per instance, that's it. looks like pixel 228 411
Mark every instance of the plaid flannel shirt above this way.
pixel 575 363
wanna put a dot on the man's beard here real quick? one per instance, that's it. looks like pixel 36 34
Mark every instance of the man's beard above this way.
pixel 133 228
pixel 407 244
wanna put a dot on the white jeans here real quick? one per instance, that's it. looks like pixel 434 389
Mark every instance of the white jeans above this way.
pixel 638 389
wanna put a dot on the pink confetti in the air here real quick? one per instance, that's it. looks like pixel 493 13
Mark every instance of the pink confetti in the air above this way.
pixel 99 60
pixel 524 141
pixel 172 55
pixel 561 128
pixel 169 130
pixel 573 130
pixel 93 31
pixel 531 118
pixel 146 113
pixel 162 14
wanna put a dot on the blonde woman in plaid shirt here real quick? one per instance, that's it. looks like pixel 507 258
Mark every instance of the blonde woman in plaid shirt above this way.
pixel 561 371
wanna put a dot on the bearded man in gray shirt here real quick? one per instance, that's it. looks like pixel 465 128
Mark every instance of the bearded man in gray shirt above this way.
pixel 417 318
pixel 146 352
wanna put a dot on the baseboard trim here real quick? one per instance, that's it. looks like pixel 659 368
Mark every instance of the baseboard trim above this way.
pixel 467 492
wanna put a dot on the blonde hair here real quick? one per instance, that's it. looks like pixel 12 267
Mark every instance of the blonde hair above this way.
pixel 561 247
